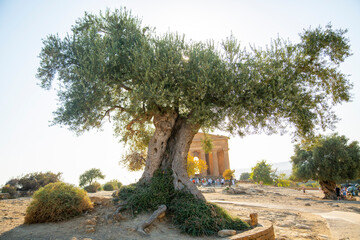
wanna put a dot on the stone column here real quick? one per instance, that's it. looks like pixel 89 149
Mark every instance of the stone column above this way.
pixel 226 159
pixel 215 163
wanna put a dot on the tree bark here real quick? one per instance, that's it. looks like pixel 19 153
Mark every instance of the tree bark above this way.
pixel 157 146
pixel 175 139
pixel 328 187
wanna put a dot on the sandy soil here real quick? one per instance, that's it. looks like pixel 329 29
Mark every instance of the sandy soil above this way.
pixel 294 214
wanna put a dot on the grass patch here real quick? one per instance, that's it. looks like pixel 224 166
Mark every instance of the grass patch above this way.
pixel 191 215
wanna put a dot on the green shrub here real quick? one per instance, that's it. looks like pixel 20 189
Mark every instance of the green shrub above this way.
pixel 197 218
pixel 108 187
pixel 112 185
pixel 191 215
pixel 34 181
pixel 57 202
pixel 93 188
pixel 149 197
pixel 10 190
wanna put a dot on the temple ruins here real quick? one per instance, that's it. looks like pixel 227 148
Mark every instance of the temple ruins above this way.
pixel 218 159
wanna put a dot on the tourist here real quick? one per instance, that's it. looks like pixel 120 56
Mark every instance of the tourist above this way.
pixel 337 190
pixel 222 181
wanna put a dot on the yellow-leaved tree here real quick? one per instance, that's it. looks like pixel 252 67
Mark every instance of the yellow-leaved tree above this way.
pixel 228 174
pixel 195 165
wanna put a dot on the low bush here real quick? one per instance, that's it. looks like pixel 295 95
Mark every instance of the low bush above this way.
pixel 10 190
pixel 57 202
pixel 34 181
pixel 108 187
pixel 93 188
pixel 112 185
pixel 191 215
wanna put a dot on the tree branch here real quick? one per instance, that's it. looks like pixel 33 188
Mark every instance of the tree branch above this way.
pixel 107 112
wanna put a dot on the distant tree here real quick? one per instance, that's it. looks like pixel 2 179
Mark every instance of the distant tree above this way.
pixel 262 172
pixel 331 160
pixel 111 66
pixel 244 176
pixel 195 165
pixel 89 176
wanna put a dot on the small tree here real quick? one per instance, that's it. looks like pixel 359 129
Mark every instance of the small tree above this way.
pixel 330 161
pixel 89 176
pixel 262 172
pixel 195 165
pixel 244 176
pixel 228 174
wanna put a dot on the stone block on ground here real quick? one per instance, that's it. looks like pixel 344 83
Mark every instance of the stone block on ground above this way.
pixel 226 233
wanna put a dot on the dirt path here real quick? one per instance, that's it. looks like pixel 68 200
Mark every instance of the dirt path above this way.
pixel 341 218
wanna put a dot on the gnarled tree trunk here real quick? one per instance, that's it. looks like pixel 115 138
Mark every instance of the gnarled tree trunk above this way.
pixel 328 188
pixel 168 149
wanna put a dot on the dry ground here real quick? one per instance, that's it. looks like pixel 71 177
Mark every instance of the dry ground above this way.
pixel 295 215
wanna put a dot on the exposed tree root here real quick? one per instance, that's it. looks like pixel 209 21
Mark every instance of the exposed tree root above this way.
pixel 140 228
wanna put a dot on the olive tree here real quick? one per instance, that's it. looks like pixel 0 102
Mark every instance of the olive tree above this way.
pixel 331 160
pixel 89 176
pixel 111 67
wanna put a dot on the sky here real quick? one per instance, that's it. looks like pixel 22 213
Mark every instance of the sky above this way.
pixel 29 144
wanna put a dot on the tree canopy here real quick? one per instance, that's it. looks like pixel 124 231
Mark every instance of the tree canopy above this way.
pixel 113 67
pixel 332 160
pixel 262 172
pixel 89 176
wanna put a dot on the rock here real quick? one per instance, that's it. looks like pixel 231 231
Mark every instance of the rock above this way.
pixel 208 190
pixel 307 204
pixel 300 226
pixel 101 200
pixel 4 195
pixel 285 225
pixel 89 229
pixel 119 217
pixel 91 221
pixel 226 232
pixel 234 191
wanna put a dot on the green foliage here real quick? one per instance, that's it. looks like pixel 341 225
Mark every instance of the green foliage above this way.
pixel 112 185
pixel 262 172
pixel 191 215
pixel 244 176
pixel 10 190
pixel 197 218
pixel 89 176
pixel 149 197
pixel 207 144
pixel 333 159
pixel 281 180
pixel 57 202
pixel 93 188
pixel 110 65
pixel 33 181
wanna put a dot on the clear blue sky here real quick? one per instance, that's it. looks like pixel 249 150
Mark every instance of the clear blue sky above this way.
pixel 28 144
